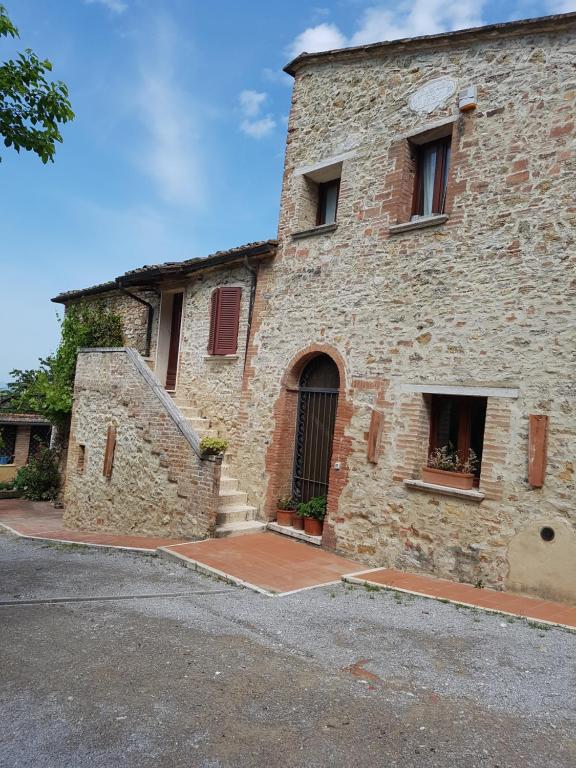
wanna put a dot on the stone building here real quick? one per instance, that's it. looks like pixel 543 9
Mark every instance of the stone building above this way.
pixel 21 435
pixel 420 296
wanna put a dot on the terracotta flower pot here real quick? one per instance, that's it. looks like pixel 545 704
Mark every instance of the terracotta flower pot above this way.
pixel 297 521
pixel 462 480
pixel 284 517
pixel 312 526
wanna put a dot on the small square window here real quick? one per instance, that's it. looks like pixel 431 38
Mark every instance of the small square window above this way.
pixel 327 202
pixel 432 163
pixel 457 424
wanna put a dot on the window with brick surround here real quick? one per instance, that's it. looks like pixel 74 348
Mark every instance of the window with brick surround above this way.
pixel 8 435
pixel 317 196
pixel 432 163
pixel 328 193
pixel 224 321
pixel 458 423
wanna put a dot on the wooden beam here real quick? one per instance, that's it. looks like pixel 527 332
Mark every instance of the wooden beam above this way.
pixel 537 446
pixel 375 436
pixel 109 452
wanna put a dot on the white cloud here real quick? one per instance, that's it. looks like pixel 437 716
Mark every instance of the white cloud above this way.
pixel 251 102
pixel 323 37
pixel 253 125
pixel 116 6
pixel 379 23
pixel 171 152
pixel 258 129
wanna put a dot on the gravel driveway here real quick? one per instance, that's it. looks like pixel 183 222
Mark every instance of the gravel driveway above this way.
pixel 218 676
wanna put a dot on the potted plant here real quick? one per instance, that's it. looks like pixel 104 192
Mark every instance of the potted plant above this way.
pixel 297 519
pixel 446 467
pixel 212 446
pixel 284 510
pixel 4 457
pixel 313 512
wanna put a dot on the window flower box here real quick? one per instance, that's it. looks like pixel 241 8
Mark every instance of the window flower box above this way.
pixel 462 480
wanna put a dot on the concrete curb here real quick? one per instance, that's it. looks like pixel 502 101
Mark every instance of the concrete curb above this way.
pixel 353 579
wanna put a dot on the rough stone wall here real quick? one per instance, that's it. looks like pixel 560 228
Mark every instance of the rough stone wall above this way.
pixel 134 316
pixel 213 383
pixel 159 485
pixel 486 299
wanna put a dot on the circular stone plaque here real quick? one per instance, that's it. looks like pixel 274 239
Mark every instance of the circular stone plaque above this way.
pixel 432 95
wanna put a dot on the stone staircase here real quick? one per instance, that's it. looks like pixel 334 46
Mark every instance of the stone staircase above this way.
pixel 235 516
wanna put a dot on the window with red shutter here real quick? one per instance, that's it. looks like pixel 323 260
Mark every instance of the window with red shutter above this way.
pixel 224 321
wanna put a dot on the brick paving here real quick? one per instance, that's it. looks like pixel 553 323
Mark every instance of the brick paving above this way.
pixel 39 519
pixel 268 561
pixel 277 564
pixel 465 594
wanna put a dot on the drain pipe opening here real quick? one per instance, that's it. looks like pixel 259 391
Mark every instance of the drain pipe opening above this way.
pixel 254 273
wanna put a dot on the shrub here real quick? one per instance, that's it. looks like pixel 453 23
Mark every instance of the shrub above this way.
pixel 315 508
pixel 7 486
pixel 39 480
pixel 213 446
pixel 286 503
pixel 48 389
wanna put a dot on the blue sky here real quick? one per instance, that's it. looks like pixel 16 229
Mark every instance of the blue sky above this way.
pixel 177 146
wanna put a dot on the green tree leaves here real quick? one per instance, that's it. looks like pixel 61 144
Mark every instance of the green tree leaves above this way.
pixel 31 107
pixel 48 389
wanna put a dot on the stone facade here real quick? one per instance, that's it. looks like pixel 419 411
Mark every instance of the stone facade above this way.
pixel 213 383
pixel 159 485
pixel 134 316
pixel 485 299
pixel 480 300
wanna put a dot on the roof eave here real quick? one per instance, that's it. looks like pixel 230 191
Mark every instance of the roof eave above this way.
pixel 178 270
pixel 181 270
pixel 432 41
pixel 64 298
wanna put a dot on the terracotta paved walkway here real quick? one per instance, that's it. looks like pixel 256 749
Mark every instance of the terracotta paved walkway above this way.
pixel 39 520
pixel 270 563
pixel 466 594
pixel 267 561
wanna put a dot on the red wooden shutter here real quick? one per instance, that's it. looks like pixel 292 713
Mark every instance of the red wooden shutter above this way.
pixel 224 321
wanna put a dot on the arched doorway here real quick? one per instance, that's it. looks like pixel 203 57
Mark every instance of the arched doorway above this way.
pixel 318 389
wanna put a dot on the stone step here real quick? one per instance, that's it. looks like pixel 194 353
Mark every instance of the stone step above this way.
pixel 239 529
pixel 200 425
pixel 238 514
pixel 189 411
pixel 232 499
pixel 228 484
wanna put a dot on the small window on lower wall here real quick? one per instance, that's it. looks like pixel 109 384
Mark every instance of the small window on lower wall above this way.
pixel 81 462
pixel 457 433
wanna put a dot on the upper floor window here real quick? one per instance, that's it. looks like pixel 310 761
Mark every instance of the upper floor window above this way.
pixel 432 162
pixel 327 202
pixel 224 321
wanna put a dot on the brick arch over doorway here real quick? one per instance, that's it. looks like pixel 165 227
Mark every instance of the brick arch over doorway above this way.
pixel 280 455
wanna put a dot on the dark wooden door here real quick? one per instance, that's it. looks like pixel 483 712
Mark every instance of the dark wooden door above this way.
pixel 174 349
pixel 317 404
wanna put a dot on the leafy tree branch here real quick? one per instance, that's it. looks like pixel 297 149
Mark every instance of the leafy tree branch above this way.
pixel 31 107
